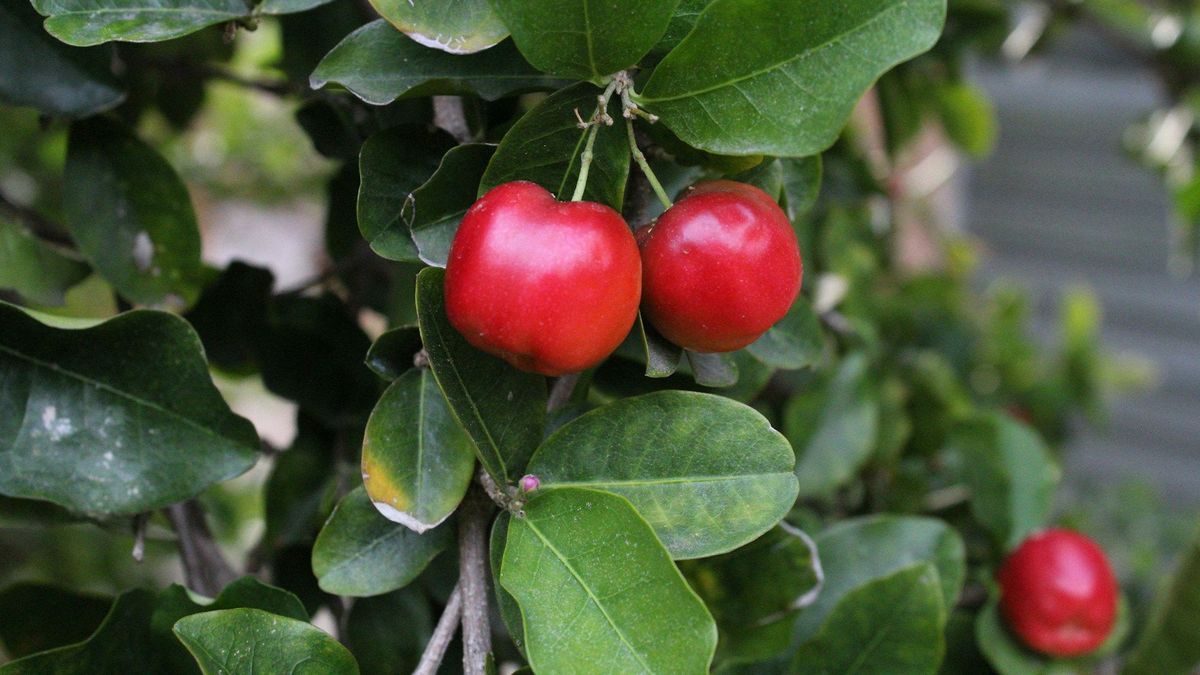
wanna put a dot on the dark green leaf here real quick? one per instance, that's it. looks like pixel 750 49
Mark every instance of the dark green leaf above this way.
pixel 1010 473
pixel 42 72
pixel 251 641
pixel 37 617
pixel 789 90
pixel 391 165
pixel 37 270
pixel 288 6
pixel 709 474
pixel 681 24
pixel 391 355
pixel 801 184
pixel 501 408
pixel 506 604
pixel 832 427
pixel 794 342
pixel 131 216
pixel 1170 643
pixel 856 552
pixel 299 493
pixel 230 314
pixel 434 210
pixel 662 357
pixel 596 587
pixel 417 462
pixel 585 39
pixel 712 370
pixel 361 553
pixel 767 176
pixel 379 65
pixel 454 26
pixel 387 633
pixel 893 624
pixel 118 418
pixel 90 22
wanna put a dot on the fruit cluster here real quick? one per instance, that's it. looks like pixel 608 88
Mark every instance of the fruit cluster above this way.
pixel 554 287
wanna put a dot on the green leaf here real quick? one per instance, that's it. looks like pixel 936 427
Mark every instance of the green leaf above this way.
pixel 585 39
pixel 252 641
pixel 387 633
pixel 794 342
pixel 893 624
pixel 790 89
pixel 300 490
pixel 712 370
pixel 544 146
pixel 131 216
pixel 115 419
pixel 857 551
pixel 391 355
pixel 596 587
pixel 453 26
pixel 361 553
pixel 434 210
pixel 832 427
pixel 417 462
pixel 662 357
pixel 1010 473
pixel 680 25
pixel 38 271
pixel 968 117
pixel 36 617
pixel 379 65
pixel 1002 651
pixel 392 164
pixel 506 604
pixel 709 474
pixel 229 316
pixel 46 74
pixel 801 184
pixel 1171 641
pixel 501 408
pixel 90 22
pixel 289 6
pixel 755 591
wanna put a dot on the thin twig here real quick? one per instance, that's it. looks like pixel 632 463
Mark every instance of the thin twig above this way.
pixel 592 126
pixel 204 566
pixel 448 114
pixel 472 577
pixel 447 626
pixel 560 392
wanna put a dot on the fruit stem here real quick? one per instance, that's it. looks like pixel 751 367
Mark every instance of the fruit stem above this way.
pixel 645 166
pixel 599 117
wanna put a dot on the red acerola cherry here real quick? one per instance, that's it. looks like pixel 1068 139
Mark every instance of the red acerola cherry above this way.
pixel 551 287
pixel 1058 593
pixel 719 268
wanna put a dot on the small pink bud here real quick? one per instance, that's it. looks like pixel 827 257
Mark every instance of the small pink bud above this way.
pixel 530 482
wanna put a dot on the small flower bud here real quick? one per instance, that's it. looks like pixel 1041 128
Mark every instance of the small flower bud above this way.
pixel 530 482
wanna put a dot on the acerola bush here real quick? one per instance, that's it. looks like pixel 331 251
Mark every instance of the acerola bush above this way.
pixel 564 452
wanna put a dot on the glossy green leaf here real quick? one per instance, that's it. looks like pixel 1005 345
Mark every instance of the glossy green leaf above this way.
pixel 544 146
pixel 755 592
pixel 387 633
pixel 252 641
pixel 712 370
pixel 709 474
pixel 91 22
pixel 858 551
pixel 417 462
pixel 801 184
pixel 391 355
pixel 585 39
pixel 682 22
pixel 596 587
pixel 361 553
pixel 832 427
pixel 434 210
pixel 454 26
pixel 379 65
pixel 392 164
pixel 788 91
pixel 36 617
pixel 289 6
pixel 501 408
pixel 38 271
pixel 795 341
pixel 662 357
pixel 1170 643
pixel 131 216
pixel 118 418
pixel 41 72
pixel 1010 473
pixel 893 624
pixel 506 604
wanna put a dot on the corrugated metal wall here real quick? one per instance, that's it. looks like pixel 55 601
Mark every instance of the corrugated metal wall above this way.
pixel 1057 204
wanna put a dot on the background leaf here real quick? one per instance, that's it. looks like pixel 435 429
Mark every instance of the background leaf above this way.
pixel 1171 641
pixel 585 39
pixel 90 22
pixel 360 553
pixel 387 633
pixel 435 209
pixel 453 26
pixel 37 270
pixel 595 586
pixel 788 91
pixel 545 144
pixel 251 640
pixel 795 341
pixel 115 419
pixel 131 216
pixel 709 474
pixel 391 355
pixel 417 462
pixel 36 617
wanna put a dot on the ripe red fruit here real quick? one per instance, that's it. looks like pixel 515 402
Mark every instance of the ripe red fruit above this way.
pixel 1058 593
pixel 719 268
pixel 551 287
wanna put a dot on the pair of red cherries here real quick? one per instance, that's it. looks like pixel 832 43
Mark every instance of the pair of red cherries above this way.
pixel 554 287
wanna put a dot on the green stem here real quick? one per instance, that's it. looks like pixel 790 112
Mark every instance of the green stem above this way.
pixel 645 166
pixel 585 163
